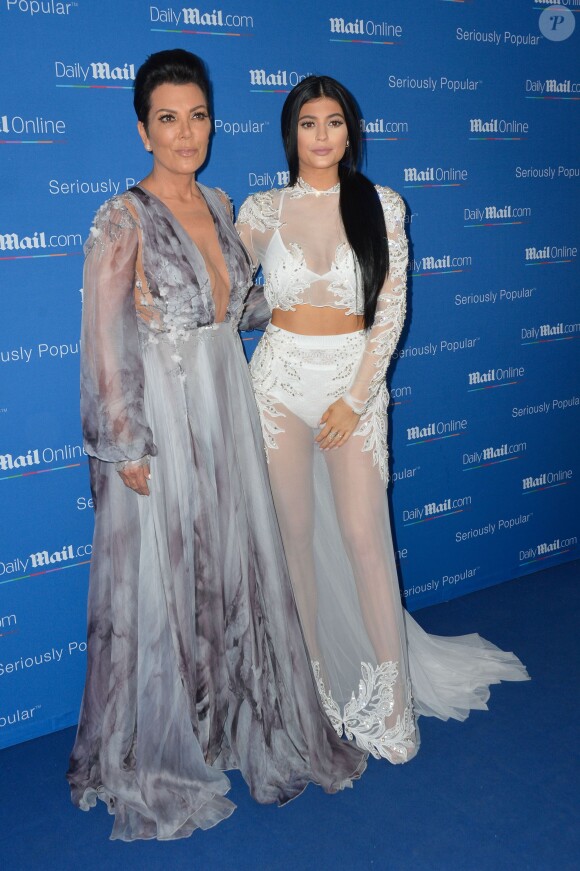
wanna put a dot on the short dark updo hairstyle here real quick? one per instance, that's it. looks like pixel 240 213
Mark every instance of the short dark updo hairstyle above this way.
pixel 174 66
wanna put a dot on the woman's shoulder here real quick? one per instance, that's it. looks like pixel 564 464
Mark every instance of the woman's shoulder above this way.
pixel 113 218
pixel 117 210
pixel 225 200
pixel 260 210
pixel 388 196
pixel 262 199
pixel 216 193
pixel 393 204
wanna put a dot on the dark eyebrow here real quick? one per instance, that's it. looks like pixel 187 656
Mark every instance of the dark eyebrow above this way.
pixel 334 115
pixel 201 106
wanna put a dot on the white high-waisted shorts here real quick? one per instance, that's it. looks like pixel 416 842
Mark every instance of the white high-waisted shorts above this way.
pixel 303 375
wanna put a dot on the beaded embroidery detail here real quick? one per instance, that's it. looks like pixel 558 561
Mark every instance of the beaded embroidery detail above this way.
pixel 111 219
pixel 302 188
pixel 276 368
pixel 259 212
pixel 288 281
pixel 363 718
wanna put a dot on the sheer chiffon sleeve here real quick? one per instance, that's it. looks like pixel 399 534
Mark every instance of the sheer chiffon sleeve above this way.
pixel 250 219
pixel 391 306
pixel 256 313
pixel 112 378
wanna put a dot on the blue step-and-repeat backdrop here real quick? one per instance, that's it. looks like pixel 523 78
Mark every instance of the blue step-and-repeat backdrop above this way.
pixel 470 111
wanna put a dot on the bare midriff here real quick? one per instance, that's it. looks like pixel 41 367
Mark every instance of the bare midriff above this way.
pixel 309 320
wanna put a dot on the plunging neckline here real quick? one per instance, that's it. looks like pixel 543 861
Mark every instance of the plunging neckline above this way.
pixel 192 242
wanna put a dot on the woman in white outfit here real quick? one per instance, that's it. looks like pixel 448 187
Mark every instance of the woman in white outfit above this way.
pixel 334 254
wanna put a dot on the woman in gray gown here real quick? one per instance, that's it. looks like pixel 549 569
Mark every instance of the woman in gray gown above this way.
pixel 196 661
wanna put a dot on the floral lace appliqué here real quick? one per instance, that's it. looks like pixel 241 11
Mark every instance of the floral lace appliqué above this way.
pixel 364 717
pixel 111 220
pixel 285 284
pixel 346 281
pixel 264 378
pixel 373 428
pixel 302 189
pixel 259 212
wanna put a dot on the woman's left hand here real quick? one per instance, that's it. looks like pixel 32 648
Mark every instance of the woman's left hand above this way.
pixel 338 423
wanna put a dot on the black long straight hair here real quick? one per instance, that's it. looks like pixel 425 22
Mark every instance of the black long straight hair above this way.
pixel 360 207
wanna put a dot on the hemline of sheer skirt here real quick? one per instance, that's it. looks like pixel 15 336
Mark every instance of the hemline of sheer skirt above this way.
pixel 377 669
pixel 196 662
pixel 452 676
pixel 131 825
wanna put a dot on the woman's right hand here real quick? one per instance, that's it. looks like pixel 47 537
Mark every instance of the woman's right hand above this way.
pixel 136 477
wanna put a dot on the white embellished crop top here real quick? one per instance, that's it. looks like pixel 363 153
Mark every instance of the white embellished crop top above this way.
pixel 297 236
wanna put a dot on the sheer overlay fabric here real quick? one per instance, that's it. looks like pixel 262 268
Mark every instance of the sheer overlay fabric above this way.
pixel 196 659
pixel 376 669
pixel 296 234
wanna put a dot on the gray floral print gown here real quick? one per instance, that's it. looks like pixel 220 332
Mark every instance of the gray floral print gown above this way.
pixel 196 659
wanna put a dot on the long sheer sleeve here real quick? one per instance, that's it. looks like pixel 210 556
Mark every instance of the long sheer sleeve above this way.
pixel 391 305
pixel 112 378
pixel 256 313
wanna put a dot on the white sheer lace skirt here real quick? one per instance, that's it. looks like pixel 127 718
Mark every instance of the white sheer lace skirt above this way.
pixel 376 669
